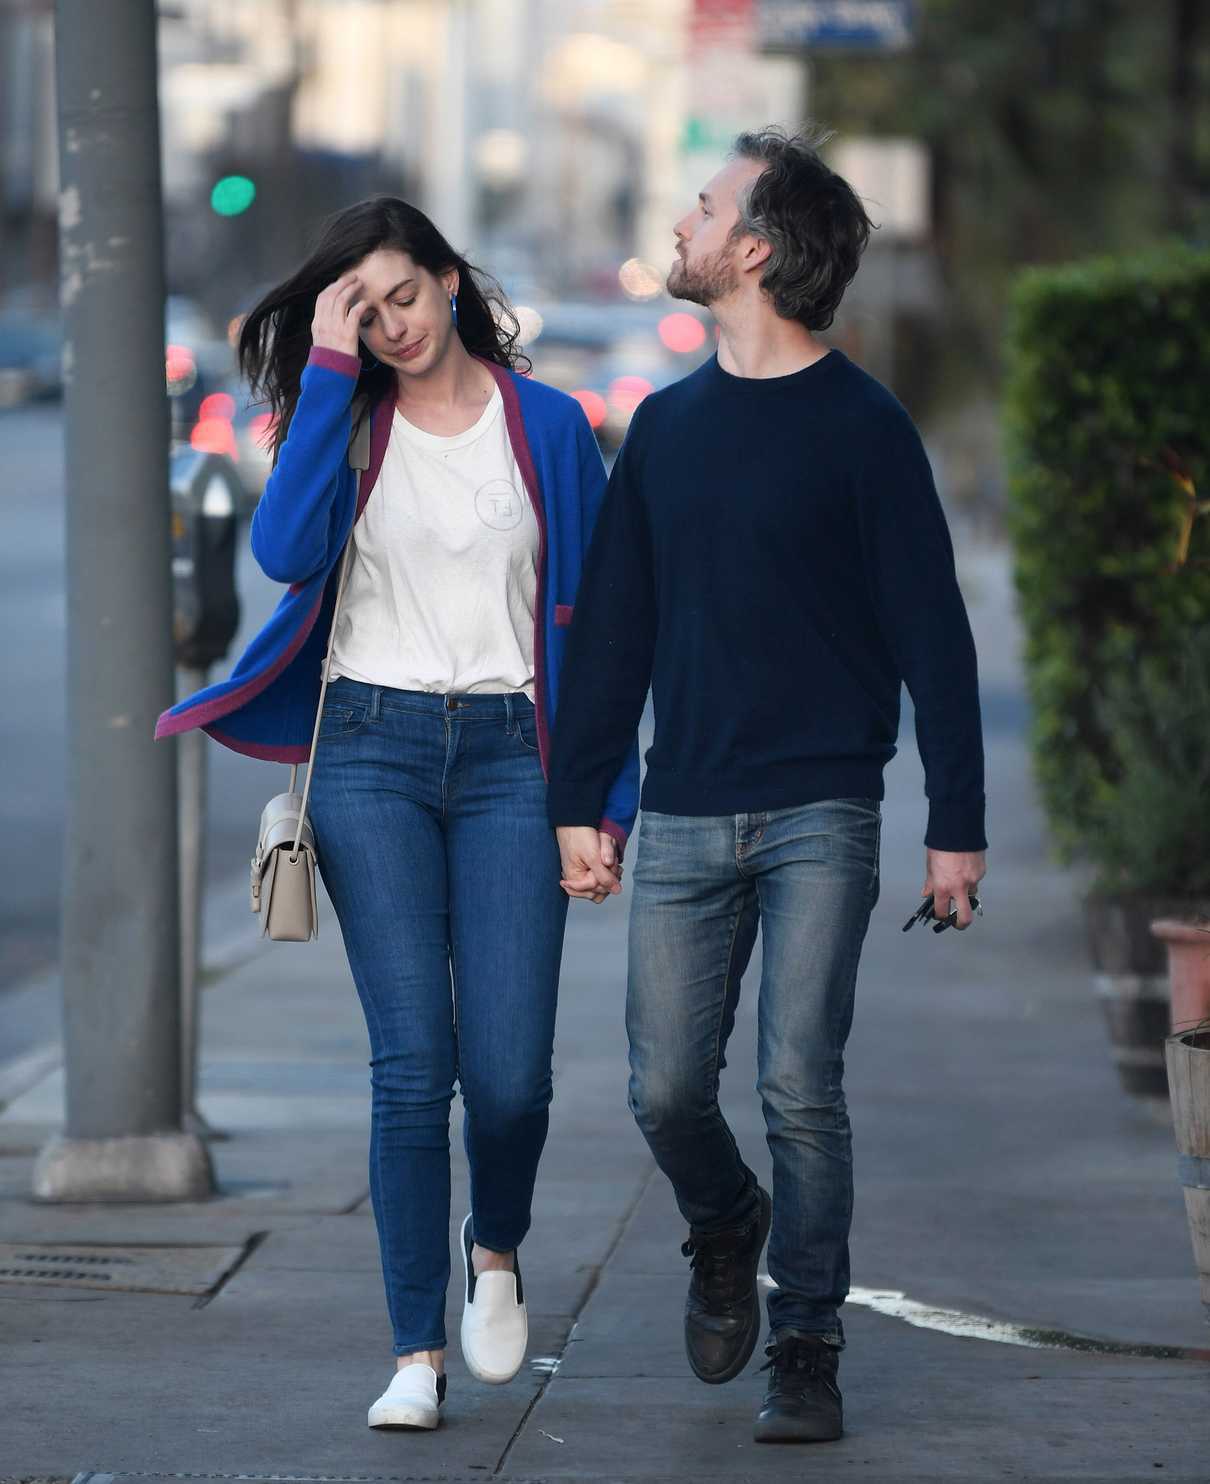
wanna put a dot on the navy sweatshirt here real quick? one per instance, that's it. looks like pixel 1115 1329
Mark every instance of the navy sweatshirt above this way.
pixel 773 561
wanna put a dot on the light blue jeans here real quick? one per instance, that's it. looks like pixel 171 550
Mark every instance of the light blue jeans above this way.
pixel 430 823
pixel 808 877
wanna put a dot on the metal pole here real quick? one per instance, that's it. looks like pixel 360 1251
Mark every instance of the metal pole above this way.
pixel 121 942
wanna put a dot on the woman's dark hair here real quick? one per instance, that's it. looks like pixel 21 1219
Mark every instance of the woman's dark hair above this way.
pixel 275 338
pixel 813 221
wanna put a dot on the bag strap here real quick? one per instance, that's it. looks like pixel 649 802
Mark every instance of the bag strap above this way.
pixel 359 460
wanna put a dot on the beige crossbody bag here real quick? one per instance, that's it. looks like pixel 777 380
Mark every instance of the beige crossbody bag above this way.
pixel 283 868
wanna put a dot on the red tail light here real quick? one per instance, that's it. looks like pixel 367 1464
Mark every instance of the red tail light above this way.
pixel 217 404
pixel 214 435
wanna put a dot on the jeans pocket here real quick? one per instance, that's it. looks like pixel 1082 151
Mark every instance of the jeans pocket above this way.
pixel 342 718
pixel 525 723
pixel 854 829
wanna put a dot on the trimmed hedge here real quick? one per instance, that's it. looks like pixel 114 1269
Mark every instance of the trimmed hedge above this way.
pixel 1108 423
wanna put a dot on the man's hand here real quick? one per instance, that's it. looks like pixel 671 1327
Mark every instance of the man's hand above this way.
pixel 591 869
pixel 951 879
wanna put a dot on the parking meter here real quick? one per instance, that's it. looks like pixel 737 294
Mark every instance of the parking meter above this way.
pixel 205 491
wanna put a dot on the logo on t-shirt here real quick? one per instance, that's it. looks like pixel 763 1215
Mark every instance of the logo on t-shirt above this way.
pixel 498 504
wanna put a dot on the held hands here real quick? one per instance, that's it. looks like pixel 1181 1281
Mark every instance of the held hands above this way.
pixel 338 312
pixel 591 868
pixel 952 877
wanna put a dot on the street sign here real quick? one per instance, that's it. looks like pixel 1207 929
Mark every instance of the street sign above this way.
pixel 834 25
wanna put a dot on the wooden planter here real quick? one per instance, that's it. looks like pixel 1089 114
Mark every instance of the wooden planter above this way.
pixel 1131 979
pixel 1188 1059
pixel 1188 946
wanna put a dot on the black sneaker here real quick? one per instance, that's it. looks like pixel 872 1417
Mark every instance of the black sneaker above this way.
pixel 722 1311
pixel 802 1404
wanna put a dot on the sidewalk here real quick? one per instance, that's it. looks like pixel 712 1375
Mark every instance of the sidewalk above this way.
pixel 1000 1174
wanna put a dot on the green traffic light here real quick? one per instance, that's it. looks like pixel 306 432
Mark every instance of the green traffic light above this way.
pixel 232 195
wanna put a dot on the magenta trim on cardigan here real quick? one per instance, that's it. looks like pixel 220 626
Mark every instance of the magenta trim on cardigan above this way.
pixel 529 477
pixel 211 711
pixel 380 435
pixel 334 360
pixel 295 753
pixel 612 828
pixel 616 831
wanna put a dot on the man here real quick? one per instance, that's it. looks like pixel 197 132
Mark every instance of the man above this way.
pixel 772 558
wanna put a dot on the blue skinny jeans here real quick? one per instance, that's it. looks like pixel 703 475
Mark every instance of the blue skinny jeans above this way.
pixel 430 824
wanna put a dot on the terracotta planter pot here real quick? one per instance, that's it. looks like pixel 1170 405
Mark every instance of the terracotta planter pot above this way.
pixel 1188 948
pixel 1188 1057
pixel 1131 979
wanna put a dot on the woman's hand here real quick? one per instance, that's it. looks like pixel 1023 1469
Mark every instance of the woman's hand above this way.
pixel 338 312
pixel 591 869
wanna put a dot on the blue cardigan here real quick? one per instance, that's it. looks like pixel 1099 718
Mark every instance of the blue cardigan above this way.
pixel 266 707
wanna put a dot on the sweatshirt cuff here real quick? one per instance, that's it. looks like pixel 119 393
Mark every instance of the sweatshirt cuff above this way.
pixel 571 804
pixel 956 824
pixel 335 360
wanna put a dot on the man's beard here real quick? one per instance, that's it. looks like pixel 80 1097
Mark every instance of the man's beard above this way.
pixel 707 281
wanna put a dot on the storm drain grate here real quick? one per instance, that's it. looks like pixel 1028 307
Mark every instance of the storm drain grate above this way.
pixel 183 1270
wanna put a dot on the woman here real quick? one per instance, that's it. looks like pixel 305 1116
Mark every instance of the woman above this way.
pixel 469 528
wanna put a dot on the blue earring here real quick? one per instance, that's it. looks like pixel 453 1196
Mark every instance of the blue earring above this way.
pixel 454 307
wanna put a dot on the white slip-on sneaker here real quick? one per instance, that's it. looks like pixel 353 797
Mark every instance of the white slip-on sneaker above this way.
pixel 411 1400
pixel 495 1329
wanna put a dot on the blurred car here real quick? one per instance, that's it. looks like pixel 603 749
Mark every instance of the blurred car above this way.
pixel 31 351
pixel 187 324
pixel 229 421
pixel 610 356
pixel 197 362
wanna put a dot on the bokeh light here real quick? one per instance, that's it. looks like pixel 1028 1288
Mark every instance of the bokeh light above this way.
pixel 232 195
pixel 626 392
pixel 180 369
pixel 639 279
pixel 217 404
pixel 594 407
pixel 530 323
pixel 500 155
pixel 682 332
pixel 213 435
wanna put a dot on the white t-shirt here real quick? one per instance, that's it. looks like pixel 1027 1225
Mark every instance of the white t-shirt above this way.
pixel 444 575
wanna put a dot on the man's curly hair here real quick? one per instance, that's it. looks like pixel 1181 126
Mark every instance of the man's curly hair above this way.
pixel 812 219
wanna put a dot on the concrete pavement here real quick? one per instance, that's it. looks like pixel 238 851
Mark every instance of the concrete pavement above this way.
pixel 1001 1175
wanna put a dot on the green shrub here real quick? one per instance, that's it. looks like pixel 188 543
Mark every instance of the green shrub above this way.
pixel 1152 835
pixel 1108 424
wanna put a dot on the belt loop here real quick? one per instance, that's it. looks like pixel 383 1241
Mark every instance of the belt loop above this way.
pixel 375 702
pixel 508 713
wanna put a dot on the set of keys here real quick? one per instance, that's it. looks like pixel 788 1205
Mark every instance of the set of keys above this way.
pixel 925 913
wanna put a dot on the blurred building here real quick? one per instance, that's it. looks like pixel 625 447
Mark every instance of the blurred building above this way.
pixel 28 163
pixel 551 138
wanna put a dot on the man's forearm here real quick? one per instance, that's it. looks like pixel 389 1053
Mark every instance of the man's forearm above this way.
pixel 606 670
pixel 599 714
